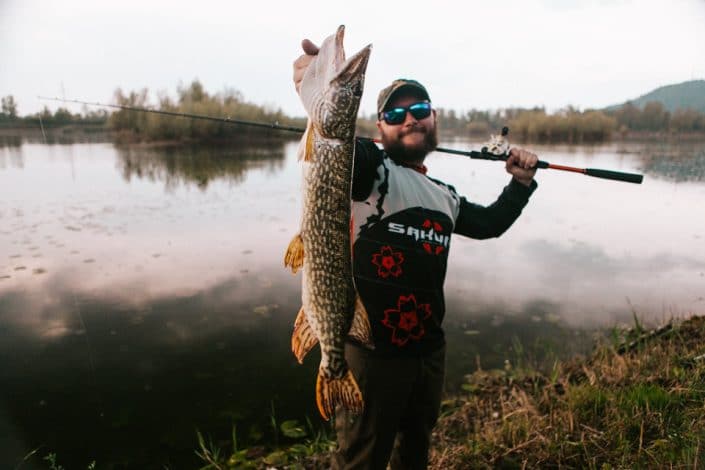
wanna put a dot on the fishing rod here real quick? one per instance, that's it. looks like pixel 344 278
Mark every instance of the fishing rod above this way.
pixel 484 154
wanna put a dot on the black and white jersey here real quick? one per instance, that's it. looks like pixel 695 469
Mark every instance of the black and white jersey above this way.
pixel 401 228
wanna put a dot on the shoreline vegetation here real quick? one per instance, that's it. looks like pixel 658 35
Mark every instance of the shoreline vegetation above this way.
pixel 536 125
pixel 635 402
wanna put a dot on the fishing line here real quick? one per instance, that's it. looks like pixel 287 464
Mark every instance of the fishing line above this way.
pixel 91 365
pixel 42 127
pixel 275 125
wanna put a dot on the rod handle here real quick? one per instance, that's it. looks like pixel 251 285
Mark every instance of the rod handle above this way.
pixel 615 175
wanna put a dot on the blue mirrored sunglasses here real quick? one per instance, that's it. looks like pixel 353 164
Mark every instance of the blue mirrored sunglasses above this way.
pixel 420 110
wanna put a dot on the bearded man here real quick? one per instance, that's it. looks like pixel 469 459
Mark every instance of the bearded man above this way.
pixel 402 224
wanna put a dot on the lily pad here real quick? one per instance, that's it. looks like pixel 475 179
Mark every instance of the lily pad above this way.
pixel 238 458
pixel 553 318
pixel 277 457
pixel 300 450
pixel 292 428
pixel 262 310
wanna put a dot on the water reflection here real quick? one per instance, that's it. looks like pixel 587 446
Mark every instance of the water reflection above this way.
pixel 131 315
pixel 143 376
pixel 11 156
pixel 67 135
pixel 10 140
pixel 487 334
pixel 597 265
pixel 677 165
pixel 197 164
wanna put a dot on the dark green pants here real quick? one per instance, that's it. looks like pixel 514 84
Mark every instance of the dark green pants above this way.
pixel 402 398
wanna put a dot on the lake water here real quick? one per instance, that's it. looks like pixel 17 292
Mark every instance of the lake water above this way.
pixel 142 293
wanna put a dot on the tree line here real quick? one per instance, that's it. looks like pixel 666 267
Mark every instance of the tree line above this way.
pixel 569 125
pixel 193 99
pixel 573 125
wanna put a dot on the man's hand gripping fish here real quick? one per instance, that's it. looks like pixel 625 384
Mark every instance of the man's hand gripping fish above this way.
pixel 330 91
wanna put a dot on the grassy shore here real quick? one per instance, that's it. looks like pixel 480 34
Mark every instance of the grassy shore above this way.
pixel 640 405
pixel 638 401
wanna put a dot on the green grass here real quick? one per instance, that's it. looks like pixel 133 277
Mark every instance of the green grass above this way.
pixel 305 447
pixel 639 409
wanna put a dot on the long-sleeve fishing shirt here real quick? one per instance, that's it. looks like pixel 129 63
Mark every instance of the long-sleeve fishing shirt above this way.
pixel 402 226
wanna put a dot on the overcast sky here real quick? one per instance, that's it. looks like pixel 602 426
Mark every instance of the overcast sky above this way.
pixel 469 54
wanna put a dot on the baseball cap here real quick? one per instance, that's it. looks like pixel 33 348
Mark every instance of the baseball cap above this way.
pixel 401 83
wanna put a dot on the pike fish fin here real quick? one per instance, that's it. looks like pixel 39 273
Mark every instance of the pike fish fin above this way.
pixel 360 330
pixel 294 256
pixel 305 150
pixel 303 339
pixel 332 392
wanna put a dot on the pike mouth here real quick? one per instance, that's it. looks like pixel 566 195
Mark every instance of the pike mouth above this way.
pixel 355 66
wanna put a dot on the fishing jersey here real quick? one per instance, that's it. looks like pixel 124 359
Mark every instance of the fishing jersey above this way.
pixel 401 227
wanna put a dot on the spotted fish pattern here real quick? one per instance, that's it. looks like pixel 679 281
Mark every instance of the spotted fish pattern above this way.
pixel 330 91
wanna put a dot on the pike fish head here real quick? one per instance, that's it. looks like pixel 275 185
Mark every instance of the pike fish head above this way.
pixel 332 87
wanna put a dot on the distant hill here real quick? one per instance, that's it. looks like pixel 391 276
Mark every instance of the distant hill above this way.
pixel 689 94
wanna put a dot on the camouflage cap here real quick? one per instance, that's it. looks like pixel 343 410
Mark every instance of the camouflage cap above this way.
pixel 387 93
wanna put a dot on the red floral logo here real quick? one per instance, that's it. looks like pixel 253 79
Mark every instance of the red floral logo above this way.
pixel 432 250
pixel 388 262
pixel 406 321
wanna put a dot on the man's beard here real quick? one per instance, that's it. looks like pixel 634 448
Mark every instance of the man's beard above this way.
pixel 398 152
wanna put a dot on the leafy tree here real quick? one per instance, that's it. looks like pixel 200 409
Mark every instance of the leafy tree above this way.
pixel 654 117
pixel 193 93
pixel 9 107
pixel 687 120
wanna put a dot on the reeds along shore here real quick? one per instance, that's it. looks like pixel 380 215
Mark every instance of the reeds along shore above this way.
pixel 568 125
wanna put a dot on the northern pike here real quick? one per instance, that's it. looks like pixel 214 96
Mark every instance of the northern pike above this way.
pixel 330 92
